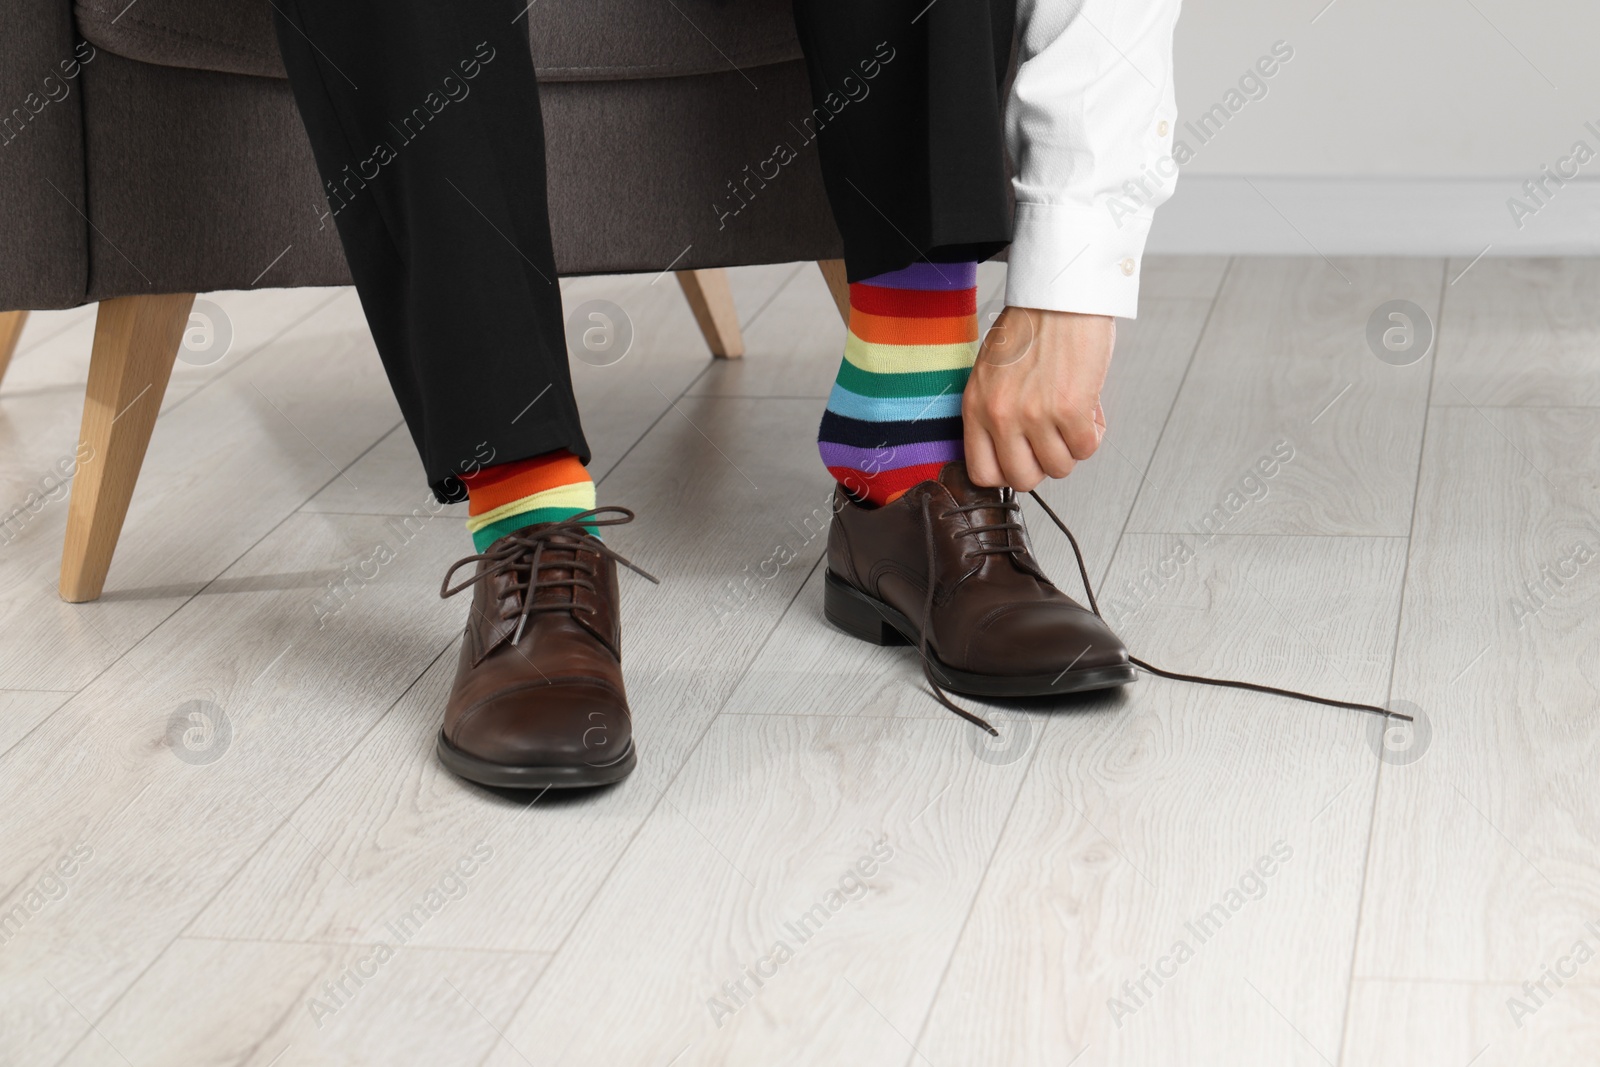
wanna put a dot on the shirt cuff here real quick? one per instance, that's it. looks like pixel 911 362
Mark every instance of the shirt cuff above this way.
pixel 1069 258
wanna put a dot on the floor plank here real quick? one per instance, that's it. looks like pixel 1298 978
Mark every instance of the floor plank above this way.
pixel 21 710
pixel 1180 277
pixel 770 817
pixel 267 1002
pixel 391 814
pixel 1285 364
pixel 1137 821
pixel 126 763
pixel 252 446
pixel 193 911
pixel 1522 332
pixel 795 344
pixel 1448 1024
pixel 1484 863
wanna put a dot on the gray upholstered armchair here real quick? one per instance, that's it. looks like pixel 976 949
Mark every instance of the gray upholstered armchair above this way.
pixel 151 150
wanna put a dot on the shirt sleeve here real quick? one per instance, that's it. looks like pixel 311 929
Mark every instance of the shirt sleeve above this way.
pixel 1089 127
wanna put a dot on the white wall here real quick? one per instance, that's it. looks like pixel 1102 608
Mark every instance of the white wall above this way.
pixel 1397 126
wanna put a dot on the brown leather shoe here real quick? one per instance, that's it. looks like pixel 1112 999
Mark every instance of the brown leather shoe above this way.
pixel 538 699
pixel 946 567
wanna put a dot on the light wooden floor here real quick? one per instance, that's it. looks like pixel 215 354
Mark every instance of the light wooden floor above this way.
pixel 1172 875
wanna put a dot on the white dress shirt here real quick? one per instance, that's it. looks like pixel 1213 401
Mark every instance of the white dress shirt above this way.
pixel 1089 127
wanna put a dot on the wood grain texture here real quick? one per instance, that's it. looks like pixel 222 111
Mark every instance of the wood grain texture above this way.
pixel 265 1003
pixel 390 815
pixel 11 325
pixel 136 341
pixel 1485 863
pixel 1137 820
pixel 48 331
pixel 837 280
pixel 1521 332
pixel 711 303
pixel 238 456
pixel 797 341
pixel 1180 277
pixel 21 710
pixel 763 824
pixel 1032 877
pixel 165 832
pixel 1285 358
pixel 1447 1024
pixel 1294 612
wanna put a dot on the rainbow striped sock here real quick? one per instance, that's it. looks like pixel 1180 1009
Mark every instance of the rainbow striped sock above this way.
pixel 894 416
pixel 509 496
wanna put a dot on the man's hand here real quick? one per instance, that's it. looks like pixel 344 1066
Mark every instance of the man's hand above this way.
pixel 1032 404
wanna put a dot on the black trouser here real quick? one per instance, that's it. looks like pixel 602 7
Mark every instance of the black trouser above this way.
pixel 448 238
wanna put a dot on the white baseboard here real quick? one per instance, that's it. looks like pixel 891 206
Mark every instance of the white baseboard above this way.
pixel 1384 217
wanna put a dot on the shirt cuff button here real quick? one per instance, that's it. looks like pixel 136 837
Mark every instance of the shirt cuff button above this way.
pixel 1127 267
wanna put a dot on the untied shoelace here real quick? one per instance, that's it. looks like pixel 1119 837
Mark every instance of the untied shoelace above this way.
pixel 1010 504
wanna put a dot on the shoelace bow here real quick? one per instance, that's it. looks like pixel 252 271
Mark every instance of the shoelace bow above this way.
pixel 522 554
pixel 1009 504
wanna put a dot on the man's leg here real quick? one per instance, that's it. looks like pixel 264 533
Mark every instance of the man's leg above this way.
pixel 424 120
pixel 912 158
pixel 907 110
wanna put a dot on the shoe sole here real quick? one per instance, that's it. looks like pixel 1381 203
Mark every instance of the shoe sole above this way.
pixel 870 619
pixel 512 776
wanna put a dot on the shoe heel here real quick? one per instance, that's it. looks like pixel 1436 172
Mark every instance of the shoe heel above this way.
pixel 853 613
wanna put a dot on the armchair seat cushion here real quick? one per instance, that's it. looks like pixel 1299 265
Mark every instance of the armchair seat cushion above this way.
pixel 573 40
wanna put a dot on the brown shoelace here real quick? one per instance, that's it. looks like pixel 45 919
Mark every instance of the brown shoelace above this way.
pixel 1009 503
pixel 523 555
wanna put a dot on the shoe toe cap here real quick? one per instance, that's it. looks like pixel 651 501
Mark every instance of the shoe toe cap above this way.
pixel 1037 638
pixel 547 724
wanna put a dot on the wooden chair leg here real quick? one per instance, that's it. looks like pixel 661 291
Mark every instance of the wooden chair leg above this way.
pixel 136 340
pixel 11 323
pixel 712 303
pixel 838 285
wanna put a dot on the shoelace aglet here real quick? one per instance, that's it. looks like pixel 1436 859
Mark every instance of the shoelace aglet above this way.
pixel 990 730
pixel 639 570
pixel 959 710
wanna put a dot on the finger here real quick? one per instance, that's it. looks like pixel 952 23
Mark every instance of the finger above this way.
pixel 982 467
pixel 1018 466
pixel 1050 451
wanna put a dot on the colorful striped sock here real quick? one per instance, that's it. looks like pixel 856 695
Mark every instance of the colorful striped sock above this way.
pixel 894 416
pixel 509 496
